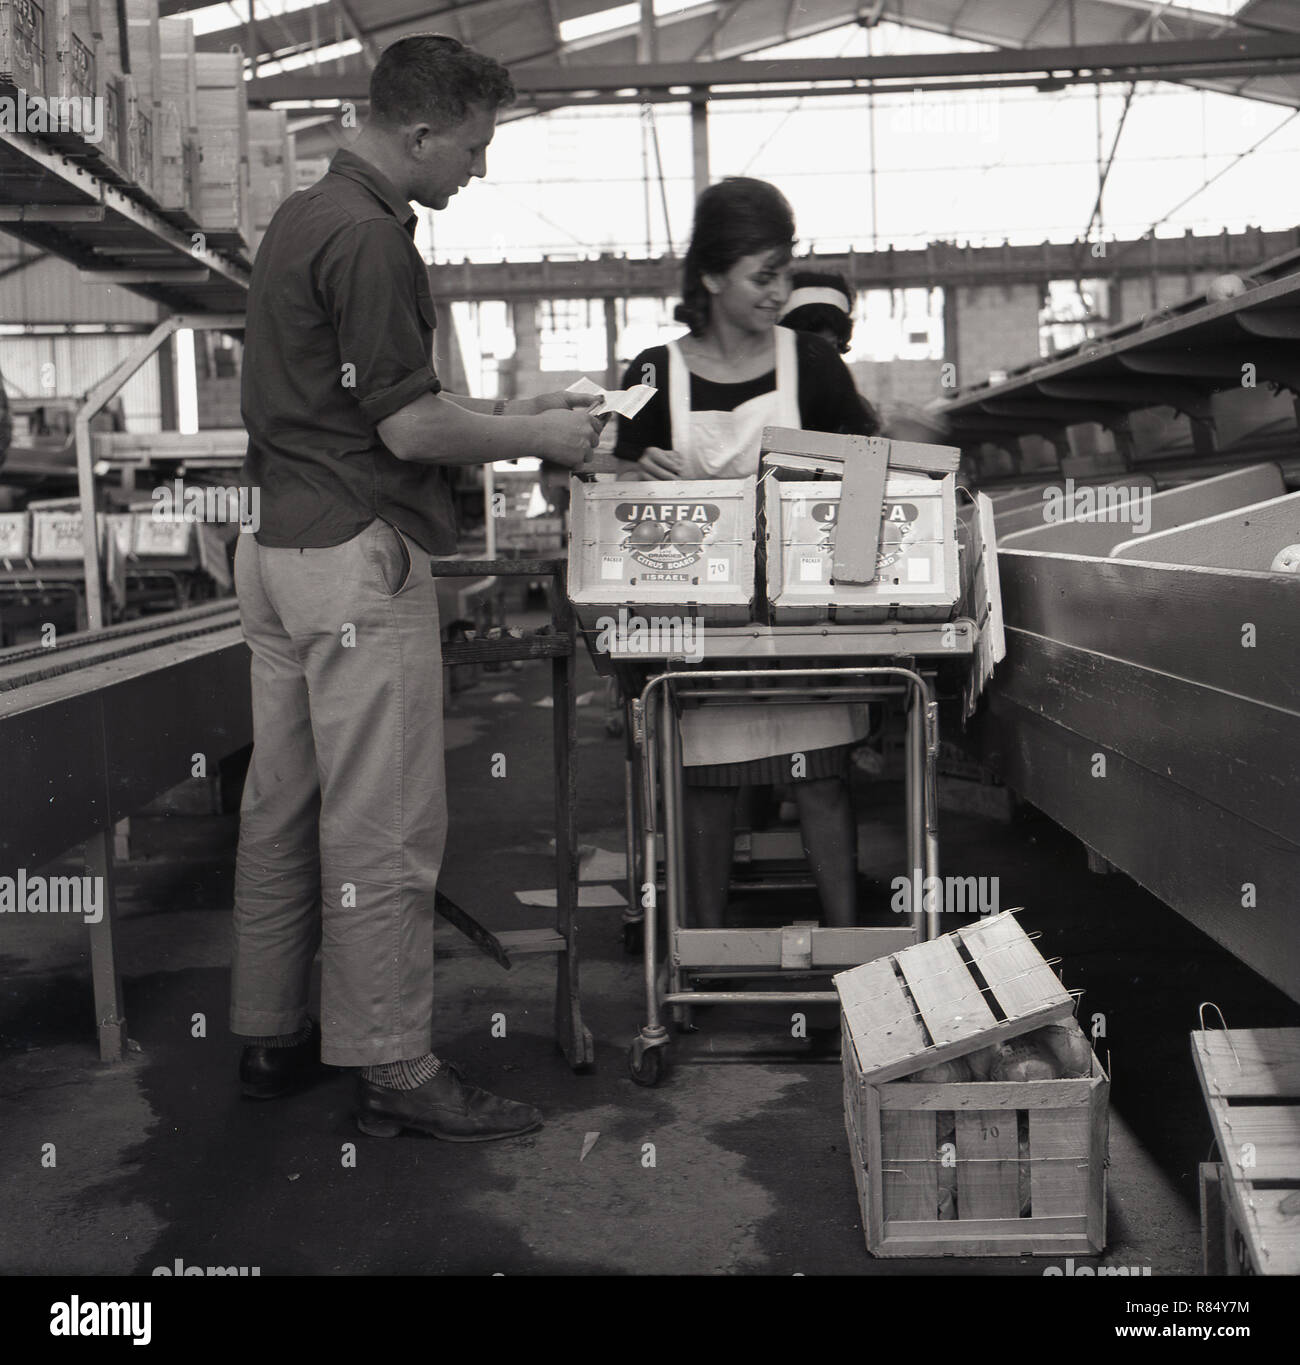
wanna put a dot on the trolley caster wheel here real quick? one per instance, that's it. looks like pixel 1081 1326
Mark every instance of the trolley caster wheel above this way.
pixel 614 726
pixel 652 1068
pixel 634 938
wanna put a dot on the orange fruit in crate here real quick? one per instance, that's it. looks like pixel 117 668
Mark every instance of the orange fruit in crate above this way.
pixel 647 533
pixel 685 533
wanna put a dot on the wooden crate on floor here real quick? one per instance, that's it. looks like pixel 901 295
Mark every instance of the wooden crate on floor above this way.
pixel 1251 1202
pixel 968 1168
pixel 221 201
pixel 177 128
pixel 25 43
pixel 271 173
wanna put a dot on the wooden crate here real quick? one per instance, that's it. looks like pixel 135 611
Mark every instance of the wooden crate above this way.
pixel 70 61
pixel 25 45
pixel 626 548
pixel 221 201
pixel 978 1168
pixel 271 177
pixel 144 93
pixel 176 130
pixel 1251 1082
pixel 916 564
pixel 15 535
pixel 87 65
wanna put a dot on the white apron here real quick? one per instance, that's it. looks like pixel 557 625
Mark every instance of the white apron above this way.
pixel 725 445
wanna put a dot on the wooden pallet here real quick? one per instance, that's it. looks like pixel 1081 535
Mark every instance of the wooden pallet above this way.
pixel 1251 1082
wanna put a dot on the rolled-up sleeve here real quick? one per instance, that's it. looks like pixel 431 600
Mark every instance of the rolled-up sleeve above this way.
pixel 383 317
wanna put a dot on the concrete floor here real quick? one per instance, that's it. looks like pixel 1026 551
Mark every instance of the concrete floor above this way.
pixel 159 1158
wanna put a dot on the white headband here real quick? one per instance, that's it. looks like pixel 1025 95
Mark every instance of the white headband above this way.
pixel 808 294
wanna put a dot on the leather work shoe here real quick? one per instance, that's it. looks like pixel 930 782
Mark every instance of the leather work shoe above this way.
pixel 267 1073
pixel 446 1107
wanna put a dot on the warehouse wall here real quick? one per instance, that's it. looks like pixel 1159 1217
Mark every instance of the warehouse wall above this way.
pixel 77 364
pixel 51 290
pixel 994 328
pixel 889 383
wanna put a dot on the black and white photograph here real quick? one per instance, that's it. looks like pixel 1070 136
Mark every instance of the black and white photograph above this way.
pixel 653 643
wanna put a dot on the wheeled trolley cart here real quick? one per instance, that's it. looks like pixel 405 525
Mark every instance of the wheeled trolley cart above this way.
pixel 801 950
pixel 854 591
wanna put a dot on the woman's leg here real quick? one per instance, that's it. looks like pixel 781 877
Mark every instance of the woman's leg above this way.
pixel 709 816
pixel 830 844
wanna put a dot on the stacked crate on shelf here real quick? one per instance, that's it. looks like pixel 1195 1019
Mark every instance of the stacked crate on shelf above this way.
pixel 177 131
pixel 70 73
pixel 25 42
pixel 143 93
pixel 271 173
pixel 222 200
pixel 954 1154
pixel 90 52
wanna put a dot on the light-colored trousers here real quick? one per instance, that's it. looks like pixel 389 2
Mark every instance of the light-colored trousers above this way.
pixel 344 816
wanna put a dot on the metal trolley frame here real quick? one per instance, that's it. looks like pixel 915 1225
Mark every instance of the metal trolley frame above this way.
pixel 817 661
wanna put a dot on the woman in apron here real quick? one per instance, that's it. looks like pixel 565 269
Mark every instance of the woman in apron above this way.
pixel 735 373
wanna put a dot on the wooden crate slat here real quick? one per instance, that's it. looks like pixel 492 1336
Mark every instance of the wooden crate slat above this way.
pixel 1024 985
pixel 1099 1153
pixel 1274 1233
pixel 978 1095
pixel 986 1165
pixel 991 1227
pixel 908 1171
pixel 880 1017
pixel 1267 1135
pixel 1248 1063
pixel 1059 1160
pixel 946 994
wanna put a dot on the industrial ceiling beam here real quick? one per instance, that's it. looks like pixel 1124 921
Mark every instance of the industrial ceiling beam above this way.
pixel 940 264
pixel 1236 56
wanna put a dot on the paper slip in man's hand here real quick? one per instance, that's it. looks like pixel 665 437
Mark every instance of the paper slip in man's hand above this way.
pixel 625 402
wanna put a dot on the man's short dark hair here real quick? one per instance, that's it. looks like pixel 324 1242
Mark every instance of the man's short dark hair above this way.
pixel 429 78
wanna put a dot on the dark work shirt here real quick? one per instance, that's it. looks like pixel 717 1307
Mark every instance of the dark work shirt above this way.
pixel 828 400
pixel 340 336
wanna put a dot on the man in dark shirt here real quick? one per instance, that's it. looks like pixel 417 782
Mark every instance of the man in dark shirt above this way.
pixel 350 433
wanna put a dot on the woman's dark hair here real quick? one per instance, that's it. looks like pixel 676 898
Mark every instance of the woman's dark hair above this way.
pixel 737 217
pixel 818 317
pixel 426 77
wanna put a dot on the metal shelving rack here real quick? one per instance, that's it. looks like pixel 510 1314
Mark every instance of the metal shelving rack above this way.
pixel 114 235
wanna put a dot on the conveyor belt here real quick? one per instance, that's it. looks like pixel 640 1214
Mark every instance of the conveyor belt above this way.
pixel 19 666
